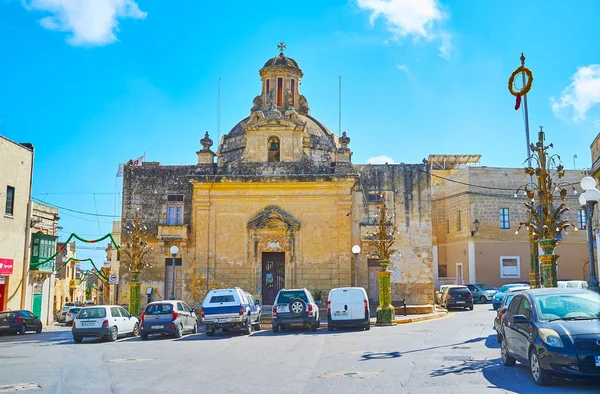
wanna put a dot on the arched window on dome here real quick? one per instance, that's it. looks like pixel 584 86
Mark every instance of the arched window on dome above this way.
pixel 279 92
pixel 273 149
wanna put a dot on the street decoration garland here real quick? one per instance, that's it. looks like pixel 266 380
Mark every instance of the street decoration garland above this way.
pixel 526 88
pixel 73 235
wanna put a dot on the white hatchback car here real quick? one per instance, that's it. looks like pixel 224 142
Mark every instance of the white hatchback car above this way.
pixel 104 321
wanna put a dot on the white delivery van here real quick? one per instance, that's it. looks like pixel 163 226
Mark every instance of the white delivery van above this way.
pixel 348 306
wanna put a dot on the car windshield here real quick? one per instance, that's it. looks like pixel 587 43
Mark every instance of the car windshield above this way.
pixel 286 296
pixel 92 313
pixel 568 306
pixel 484 286
pixel 221 298
pixel 505 288
pixel 159 309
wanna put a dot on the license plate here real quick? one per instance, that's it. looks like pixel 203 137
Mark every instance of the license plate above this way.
pixel 87 323
pixel 283 308
pixel 597 358
pixel 460 302
pixel 340 313
pixel 156 327
pixel 3 326
pixel 222 320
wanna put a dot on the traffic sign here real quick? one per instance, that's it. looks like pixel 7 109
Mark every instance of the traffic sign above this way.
pixel 113 279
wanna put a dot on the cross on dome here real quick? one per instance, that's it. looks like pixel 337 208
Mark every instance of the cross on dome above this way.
pixel 281 47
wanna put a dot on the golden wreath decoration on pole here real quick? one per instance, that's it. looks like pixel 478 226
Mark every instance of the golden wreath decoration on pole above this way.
pixel 527 86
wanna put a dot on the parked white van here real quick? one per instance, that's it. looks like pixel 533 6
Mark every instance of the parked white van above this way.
pixel 348 306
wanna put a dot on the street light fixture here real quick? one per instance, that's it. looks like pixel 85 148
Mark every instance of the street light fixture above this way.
pixel 589 198
pixel 174 251
pixel 476 224
pixel 356 251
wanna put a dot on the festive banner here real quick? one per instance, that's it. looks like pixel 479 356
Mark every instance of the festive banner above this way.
pixel 73 235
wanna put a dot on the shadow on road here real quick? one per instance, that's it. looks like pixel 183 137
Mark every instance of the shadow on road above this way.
pixel 491 342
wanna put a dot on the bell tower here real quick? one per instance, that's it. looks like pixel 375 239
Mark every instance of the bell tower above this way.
pixel 280 77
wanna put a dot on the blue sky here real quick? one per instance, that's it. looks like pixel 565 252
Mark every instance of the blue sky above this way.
pixel 95 83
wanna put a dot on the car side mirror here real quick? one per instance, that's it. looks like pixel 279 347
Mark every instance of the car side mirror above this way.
pixel 192 310
pixel 256 302
pixel 520 319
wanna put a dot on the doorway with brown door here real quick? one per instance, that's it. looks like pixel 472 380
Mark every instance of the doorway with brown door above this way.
pixel 273 275
pixel 374 267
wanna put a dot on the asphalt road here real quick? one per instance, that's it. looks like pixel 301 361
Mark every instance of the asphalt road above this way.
pixel 456 354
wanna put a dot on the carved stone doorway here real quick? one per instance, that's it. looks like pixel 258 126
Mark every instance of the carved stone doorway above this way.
pixel 273 275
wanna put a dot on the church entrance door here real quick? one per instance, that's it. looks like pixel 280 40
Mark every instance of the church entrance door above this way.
pixel 273 275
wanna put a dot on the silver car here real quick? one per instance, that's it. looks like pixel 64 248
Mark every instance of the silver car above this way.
pixel 172 317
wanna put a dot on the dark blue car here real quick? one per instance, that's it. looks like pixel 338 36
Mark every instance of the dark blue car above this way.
pixel 18 322
pixel 555 331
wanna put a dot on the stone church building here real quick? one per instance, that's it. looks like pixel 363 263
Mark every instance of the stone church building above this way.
pixel 277 204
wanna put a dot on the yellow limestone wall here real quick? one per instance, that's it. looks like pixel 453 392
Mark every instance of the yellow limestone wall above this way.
pixel 321 247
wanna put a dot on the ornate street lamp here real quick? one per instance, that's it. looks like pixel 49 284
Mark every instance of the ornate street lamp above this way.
pixel 174 250
pixel 544 220
pixel 356 251
pixel 589 199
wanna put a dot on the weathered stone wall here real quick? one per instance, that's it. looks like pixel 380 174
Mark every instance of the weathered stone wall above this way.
pixel 407 192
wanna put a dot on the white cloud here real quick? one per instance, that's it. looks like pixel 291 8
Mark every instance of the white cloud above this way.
pixel 404 68
pixel 381 160
pixel 416 18
pixel 582 94
pixel 90 22
pixel 446 45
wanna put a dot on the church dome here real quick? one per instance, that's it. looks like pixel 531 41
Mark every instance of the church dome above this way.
pixel 281 61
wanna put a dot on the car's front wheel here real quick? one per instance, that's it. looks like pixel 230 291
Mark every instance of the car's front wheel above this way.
pixel 39 329
pixel 22 329
pixel 507 359
pixel 540 377
pixel 136 330
pixel 482 299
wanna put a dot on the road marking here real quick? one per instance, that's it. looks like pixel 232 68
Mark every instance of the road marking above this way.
pixel 128 360
pixel 350 374
pixel 11 388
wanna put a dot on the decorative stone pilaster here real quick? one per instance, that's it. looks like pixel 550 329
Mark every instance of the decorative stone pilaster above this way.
pixel 206 156
pixel 343 154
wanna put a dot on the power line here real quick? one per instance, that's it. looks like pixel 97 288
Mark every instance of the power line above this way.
pixel 73 210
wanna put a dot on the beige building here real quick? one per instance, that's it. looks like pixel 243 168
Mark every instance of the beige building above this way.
pixel 282 206
pixel 465 193
pixel 16 175
pixel 43 245
pixel 66 273
pixel 113 257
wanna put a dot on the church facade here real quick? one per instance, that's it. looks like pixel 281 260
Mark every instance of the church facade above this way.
pixel 279 204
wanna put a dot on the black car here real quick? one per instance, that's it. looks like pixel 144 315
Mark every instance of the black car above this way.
pixel 457 297
pixel 556 331
pixel 18 322
pixel 295 307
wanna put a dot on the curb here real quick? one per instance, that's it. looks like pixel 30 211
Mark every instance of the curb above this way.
pixel 422 318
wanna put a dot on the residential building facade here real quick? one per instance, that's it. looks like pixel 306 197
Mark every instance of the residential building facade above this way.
pixel 16 175
pixel 477 211
pixel 43 247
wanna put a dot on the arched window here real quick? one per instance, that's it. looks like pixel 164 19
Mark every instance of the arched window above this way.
pixel 273 149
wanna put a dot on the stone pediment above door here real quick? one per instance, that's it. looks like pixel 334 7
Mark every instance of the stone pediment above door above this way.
pixel 273 217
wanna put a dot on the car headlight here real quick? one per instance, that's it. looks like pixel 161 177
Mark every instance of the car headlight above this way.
pixel 550 337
